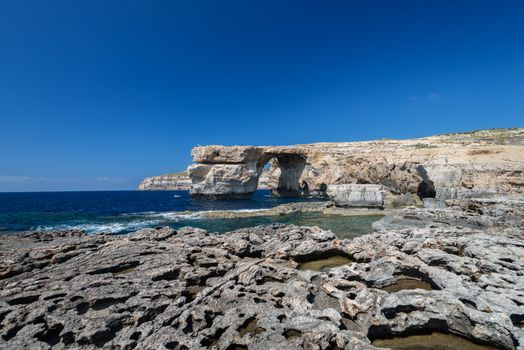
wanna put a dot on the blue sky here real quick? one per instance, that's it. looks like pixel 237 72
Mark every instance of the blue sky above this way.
pixel 99 94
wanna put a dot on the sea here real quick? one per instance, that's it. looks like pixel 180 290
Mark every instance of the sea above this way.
pixel 122 212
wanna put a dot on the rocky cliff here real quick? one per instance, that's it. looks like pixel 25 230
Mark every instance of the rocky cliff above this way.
pixel 461 165
pixel 179 181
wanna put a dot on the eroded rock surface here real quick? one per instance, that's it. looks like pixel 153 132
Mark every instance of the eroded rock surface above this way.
pixel 178 181
pixel 355 195
pixel 456 269
pixel 464 165
pixel 182 182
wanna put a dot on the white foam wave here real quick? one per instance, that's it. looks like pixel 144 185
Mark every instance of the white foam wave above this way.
pixel 172 215
pixel 149 219
pixel 175 215
pixel 245 210
pixel 112 227
pixel 139 213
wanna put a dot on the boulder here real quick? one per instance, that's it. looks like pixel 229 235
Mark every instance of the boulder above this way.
pixel 357 195
pixel 403 200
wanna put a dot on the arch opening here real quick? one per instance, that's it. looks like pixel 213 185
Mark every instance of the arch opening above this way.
pixel 323 190
pixel 426 189
pixel 284 175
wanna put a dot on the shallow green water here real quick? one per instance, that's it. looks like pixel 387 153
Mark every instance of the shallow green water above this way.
pixel 343 226
pixel 431 341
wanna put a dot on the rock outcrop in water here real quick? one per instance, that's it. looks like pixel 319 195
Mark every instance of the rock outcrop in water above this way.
pixel 456 269
pixel 178 181
pixel 355 195
pixel 463 165
pixel 181 181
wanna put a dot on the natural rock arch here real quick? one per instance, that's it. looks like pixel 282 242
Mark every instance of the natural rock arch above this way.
pixel 234 172
pixel 426 189
pixel 285 174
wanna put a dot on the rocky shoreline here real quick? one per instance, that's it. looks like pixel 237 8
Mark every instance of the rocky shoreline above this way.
pixel 454 270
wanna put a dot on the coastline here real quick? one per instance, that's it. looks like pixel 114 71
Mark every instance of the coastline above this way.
pixel 251 175
pixel 414 247
pixel 172 288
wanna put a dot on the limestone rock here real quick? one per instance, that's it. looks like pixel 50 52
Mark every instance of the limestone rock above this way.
pixel 180 181
pixel 356 195
pixel 476 164
pixel 224 180
pixel 454 269
pixel 232 155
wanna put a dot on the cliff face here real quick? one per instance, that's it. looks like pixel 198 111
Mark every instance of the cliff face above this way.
pixel 481 163
pixel 180 181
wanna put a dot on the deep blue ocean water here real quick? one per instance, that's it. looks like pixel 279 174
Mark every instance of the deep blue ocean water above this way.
pixel 126 211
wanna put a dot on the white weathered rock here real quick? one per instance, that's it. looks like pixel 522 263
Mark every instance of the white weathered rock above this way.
pixel 180 181
pixel 482 163
pixel 357 195
pixel 217 180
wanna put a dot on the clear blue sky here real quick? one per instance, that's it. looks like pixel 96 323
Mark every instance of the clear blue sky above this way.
pixel 99 94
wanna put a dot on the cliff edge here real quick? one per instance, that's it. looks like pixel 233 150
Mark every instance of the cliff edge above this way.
pixel 178 181
pixel 459 165
pixel 182 182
